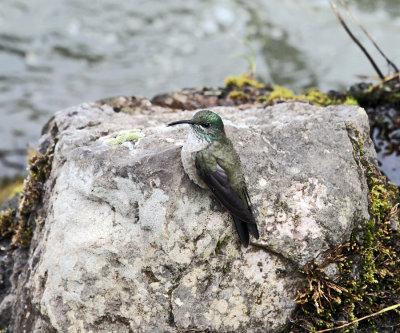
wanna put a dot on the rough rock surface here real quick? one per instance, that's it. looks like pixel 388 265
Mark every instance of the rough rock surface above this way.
pixel 128 244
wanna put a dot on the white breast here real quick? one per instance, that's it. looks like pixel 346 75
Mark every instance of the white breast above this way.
pixel 188 154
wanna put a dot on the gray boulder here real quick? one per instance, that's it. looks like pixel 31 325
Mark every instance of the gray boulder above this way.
pixel 127 243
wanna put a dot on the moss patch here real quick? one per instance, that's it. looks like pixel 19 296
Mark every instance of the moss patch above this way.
pixel 280 93
pixel 238 96
pixel 123 136
pixel 244 80
pixel 369 265
pixel 7 223
pixel 31 194
pixel 316 97
pixel 218 247
pixel 262 98
pixel 245 89
pixel 350 101
pixel 10 187
pixel 312 95
pixel 20 223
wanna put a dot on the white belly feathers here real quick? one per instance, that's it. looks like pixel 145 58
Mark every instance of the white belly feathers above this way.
pixel 188 154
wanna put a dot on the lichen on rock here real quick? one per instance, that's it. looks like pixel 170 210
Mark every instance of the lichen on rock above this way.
pixel 121 137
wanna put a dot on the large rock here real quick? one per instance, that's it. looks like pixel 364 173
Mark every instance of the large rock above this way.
pixel 128 243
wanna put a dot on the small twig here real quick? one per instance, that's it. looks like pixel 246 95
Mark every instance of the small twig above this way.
pixel 355 19
pixel 392 307
pixel 300 325
pixel 367 77
pixel 386 79
pixel 394 210
pixel 355 40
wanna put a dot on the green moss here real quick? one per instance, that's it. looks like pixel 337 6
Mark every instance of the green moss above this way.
pixel 350 101
pixel 244 80
pixel 373 252
pixel 7 224
pixel 312 95
pixel 18 223
pixel 280 93
pixel 380 198
pixel 123 136
pixel 237 85
pixel 10 187
pixel 356 140
pixel 39 171
pixel 226 268
pixel 238 96
pixel 218 247
pixel 30 196
pixel 316 97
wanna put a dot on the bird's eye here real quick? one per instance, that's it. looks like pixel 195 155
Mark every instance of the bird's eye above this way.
pixel 206 125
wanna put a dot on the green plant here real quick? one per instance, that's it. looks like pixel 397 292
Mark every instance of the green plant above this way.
pixel 250 60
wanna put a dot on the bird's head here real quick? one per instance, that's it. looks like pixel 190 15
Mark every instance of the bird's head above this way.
pixel 206 124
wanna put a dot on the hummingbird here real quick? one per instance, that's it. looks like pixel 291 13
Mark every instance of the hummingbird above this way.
pixel 211 161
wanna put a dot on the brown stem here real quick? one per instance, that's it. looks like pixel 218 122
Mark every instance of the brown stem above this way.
pixel 392 307
pixel 355 40
pixel 369 36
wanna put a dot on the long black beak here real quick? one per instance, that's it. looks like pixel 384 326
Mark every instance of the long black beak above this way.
pixel 180 122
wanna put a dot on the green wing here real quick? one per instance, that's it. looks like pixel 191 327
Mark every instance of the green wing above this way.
pixel 216 178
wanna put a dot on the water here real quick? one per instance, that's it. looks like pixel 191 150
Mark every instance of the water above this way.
pixel 54 54
pixel 385 132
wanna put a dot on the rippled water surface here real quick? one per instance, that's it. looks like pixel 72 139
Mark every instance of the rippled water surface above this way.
pixel 54 54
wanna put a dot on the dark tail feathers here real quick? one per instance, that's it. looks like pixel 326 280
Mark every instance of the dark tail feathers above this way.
pixel 241 228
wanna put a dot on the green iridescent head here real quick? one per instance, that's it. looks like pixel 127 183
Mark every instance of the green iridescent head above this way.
pixel 206 124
